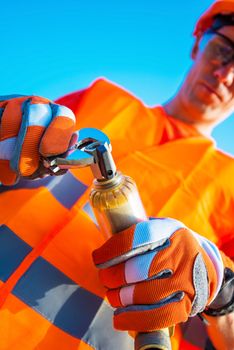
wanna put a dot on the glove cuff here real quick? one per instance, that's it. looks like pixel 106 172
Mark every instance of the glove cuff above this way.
pixel 224 301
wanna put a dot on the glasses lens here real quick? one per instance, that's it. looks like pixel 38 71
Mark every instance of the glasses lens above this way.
pixel 217 49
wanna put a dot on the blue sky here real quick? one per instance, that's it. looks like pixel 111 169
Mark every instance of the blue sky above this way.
pixel 50 48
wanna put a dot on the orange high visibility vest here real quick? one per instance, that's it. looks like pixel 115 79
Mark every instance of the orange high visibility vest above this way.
pixel 50 295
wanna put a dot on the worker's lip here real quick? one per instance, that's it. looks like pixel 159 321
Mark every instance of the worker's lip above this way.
pixel 212 90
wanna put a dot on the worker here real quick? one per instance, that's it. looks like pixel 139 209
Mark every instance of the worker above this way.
pixel 51 294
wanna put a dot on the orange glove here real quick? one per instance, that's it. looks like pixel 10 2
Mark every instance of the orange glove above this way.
pixel 158 273
pixel 31 127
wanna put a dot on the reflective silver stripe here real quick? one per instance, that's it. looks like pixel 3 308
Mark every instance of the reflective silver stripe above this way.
pixel 101 334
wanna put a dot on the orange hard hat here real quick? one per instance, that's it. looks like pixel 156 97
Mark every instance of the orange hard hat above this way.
pixel 218 7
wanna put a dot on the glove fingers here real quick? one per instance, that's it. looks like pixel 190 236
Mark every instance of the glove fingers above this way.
pixel 115 246
pixel 184 248
pixel 135 270
pixel 29 157
pixel 36 117
pixel 146 318
pixel 150 268
pixel 147 292
pixel 137 239
pixel 23 123
pixel 156 283
pixel 113 277
pixel 11 118
pixel 152 263
pixel 58 135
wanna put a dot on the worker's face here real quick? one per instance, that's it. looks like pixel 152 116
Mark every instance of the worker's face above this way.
pixel 209 86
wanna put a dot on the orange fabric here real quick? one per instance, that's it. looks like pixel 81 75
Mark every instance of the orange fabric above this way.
pixel 205 21
pixel 105 106
pixel 186 345
pixel 227 262
pixel 176 339
pixel 175 129
pixel 179 186
pixel 227 247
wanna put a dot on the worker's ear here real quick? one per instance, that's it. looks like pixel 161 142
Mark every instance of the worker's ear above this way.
pixel 195 48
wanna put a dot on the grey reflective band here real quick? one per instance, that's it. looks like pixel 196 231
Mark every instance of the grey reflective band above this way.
pixel 46 289
pixel 58 299
pixel 74 188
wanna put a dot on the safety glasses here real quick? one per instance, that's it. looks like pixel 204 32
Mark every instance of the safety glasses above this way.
pixel 218 48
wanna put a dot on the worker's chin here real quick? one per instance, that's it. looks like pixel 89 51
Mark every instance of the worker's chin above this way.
pixel 206 98
pixel 205 106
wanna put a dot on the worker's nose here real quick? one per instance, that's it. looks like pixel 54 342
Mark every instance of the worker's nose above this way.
pixel 225 74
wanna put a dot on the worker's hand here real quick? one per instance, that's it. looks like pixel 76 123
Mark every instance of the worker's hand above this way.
pixel 31 127
pixel 158 273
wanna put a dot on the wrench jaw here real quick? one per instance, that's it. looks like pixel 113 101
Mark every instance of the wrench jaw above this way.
pixel 93 149
pixel 103 167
